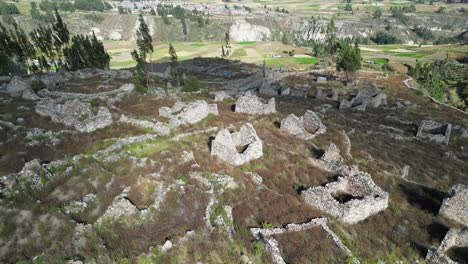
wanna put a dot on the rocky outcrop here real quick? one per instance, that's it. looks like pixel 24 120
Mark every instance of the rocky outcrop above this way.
pixel 351 199
pixel 80 206
pixel 241 30
pixel 370 96
pixel 306 127
pixel 181 113
pixel 18 87
pixel 75 114
pixel 455 238
pixel 158 127
pixel 37 136
pixel 112 96
pixel 225 145
pixel 434 131
pixel 455 206
pixel 252 104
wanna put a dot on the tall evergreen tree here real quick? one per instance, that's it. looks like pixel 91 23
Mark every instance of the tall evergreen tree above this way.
pixel 62 35
pixel 174 65
pixel 144 39
pixel 226 47
pixel 331 37
pixel 348 57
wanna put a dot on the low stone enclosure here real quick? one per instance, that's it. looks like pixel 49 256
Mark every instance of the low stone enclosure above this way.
pixel 181 113
pixel 455 206
pixel 434 131
pixel 272 245
pixel 75 113
pixel 352 198
pixel 249 103
pixel 456 240
pixel 370 96
pixel 305 127
pixel 226 144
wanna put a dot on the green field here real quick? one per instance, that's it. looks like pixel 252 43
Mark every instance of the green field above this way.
pixel 379 60
pixel 198 45
pixel 307 60
pixel 409 55
pixel 247 42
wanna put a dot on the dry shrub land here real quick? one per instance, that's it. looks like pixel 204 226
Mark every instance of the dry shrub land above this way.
pixel 130 194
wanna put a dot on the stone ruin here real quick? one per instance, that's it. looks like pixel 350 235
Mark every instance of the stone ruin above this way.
pixel 251 104
pixel 323 94
pixel 370 96
pixel 75 113
pixel 158 127
pixel 352 198
pixel 226 144
pixel 454 239
pixel 270 82
pixel 272 245
pixel 332 155
pixel 306 127
pixel 455 206
pixel 434 131
pixel 181 113
pixel 221 96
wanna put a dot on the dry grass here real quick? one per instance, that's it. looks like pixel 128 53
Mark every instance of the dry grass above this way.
pixel 310 246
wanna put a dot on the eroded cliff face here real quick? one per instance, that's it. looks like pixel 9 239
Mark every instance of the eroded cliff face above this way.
pixel 241 30
pixel 123 27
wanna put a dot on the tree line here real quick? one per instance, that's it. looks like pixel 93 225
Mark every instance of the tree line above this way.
pixel 48 47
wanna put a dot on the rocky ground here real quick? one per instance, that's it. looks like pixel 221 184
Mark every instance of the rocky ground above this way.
pixel 95 172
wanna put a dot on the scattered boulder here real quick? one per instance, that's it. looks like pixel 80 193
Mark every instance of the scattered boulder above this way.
pixel 352 198
pixel 75 113
pixel 167 246
pixel 192 113
pixel 226 143
pixel 305 127
pixel 34 175
pixel 18 87
pixel 321 80
pixel 455 238
pixel 434 131
pixel 252 104
pixel 455 206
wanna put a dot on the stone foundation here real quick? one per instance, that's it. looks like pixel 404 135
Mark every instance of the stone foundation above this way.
pixel 455 207
pixel 305 127
pixel 351 199
pixel 252 104
pixel 434 131
pixel 455 238
pixel 225 145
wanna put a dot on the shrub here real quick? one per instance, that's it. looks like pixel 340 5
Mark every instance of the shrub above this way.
pixel 37 85
pixel 191 84
pixel 385 38
pixel 139 81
